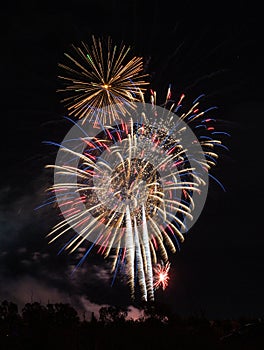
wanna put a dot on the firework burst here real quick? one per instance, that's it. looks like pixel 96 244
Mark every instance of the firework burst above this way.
pixel 102 77
pixel 133 189
pixel 161 275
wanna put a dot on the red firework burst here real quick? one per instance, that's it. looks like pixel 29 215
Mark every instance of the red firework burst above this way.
pixel 161 275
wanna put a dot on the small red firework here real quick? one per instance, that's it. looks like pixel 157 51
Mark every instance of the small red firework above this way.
pixel 161 275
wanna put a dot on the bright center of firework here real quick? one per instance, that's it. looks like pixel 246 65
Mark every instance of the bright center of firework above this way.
pixel 131 183
pixel 106 86
pixel 162 277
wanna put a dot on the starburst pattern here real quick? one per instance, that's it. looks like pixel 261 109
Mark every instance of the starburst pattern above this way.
pixel 102 77
pixel 161 275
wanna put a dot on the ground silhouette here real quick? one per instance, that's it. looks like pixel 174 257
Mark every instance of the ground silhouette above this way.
pixel 58 326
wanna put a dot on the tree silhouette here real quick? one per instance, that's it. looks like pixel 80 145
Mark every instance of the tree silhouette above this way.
pixel 10 319
pixel 62 315
pixel 155 312
pixel 35 317
pixel 58 326
pixel 114 314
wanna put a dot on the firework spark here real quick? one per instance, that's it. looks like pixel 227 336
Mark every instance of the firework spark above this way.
pixel 136 187
pixel 161 275
pixel 102 77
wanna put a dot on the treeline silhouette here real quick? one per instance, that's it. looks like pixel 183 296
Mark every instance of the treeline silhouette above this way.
pixel 58 326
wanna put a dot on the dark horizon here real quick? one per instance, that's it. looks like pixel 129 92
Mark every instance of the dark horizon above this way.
pixel 58 324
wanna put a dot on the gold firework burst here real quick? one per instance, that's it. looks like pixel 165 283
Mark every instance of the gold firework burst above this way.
pixel 102 76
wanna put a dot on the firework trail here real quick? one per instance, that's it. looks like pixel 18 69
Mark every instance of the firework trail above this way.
pixel 136 187
pixel 101 76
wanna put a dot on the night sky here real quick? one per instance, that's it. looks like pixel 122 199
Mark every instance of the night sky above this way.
pixel 215 50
